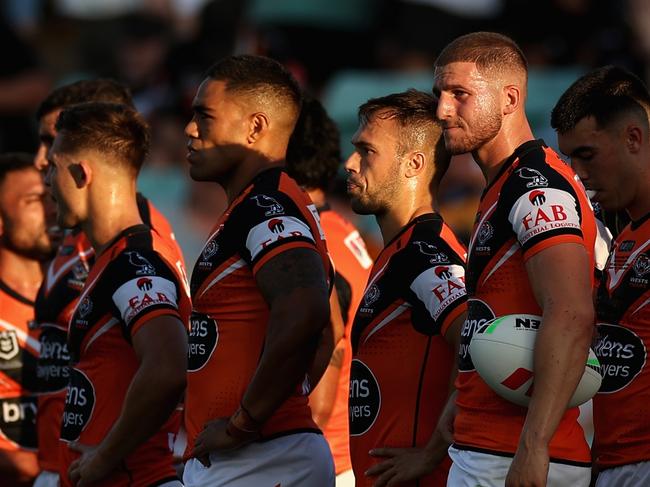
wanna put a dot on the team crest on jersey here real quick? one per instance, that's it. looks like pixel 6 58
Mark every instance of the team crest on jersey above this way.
pixel 85 307
pixel 271 205
pixel 435 256
pixel 533 176
pixel 626 245
pixel 210 249
pixel 485 233
pixel 641 268
pixel 372 295
pixel 9 347
pixel 143 265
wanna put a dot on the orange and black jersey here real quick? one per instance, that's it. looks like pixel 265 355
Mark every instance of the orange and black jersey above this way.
pixel 19 350
pixel 230 315
pixel 55 302
pixel 399 381
pixel 622 432
pixel 133 281
pixel 535 202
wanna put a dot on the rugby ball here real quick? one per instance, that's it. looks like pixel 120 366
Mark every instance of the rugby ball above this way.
pixel 502 353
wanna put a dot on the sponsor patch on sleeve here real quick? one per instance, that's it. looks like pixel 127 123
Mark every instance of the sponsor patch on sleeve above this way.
pixel 138 294
pixel 439 287
pixel 544 210
pixel 270 231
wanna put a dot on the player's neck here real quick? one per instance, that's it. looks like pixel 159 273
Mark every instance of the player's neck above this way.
pixel 109 217
pixel 393 221
pixel 22 274
pixel 245 174
pixel 640 206
pixel 492 155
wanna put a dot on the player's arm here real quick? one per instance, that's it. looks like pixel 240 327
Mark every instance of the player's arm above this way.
pixel 326 370
pixel 294 285
pixel 560 279
pixel 161 348
pixel 408 464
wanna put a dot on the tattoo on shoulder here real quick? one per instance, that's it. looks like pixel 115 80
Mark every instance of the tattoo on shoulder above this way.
pixel 294 269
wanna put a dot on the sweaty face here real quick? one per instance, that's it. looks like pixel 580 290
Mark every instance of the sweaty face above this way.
pixel 468 106
pixel 23 213
pixel 374 167
pixel 65 190
pixel 46 134
pixel 217 133
pixel 602 161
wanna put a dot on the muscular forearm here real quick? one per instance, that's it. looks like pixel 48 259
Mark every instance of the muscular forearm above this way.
pixel 560 354
pixel 323 396
pixel 289 349
pixel 152 397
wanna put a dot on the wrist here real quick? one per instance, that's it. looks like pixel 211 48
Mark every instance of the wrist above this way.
pixel 242 426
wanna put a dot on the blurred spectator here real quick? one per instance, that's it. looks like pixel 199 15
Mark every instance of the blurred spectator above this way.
pixel 23 84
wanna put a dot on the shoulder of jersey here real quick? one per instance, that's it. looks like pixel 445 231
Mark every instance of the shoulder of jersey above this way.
pixel 538 168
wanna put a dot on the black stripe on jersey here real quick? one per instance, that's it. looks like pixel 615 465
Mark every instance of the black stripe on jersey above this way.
pixel 143 208
pixel 550 234
pixel 561 461
pixel 15 294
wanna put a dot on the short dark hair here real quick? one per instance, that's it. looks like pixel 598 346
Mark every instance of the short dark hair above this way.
pixel 115 130
pixel 415 112
pixel 258 75
pixel 14 161
pixel 490 51
pixel 605 93
pixel 103 90
pixel 314 152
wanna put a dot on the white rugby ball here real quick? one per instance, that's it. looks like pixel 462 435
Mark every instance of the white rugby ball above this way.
pixel 502 353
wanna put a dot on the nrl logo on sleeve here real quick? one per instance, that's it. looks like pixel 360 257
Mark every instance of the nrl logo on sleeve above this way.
pixel 534 177
pixel 9 347
pixel 270 204
pixel 436 257
pixel 143 265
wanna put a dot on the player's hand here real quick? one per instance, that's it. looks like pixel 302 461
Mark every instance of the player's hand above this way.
pixel 214 437
pixel 529 467
pixel 401 465
pixel 90 467
pixel 445 425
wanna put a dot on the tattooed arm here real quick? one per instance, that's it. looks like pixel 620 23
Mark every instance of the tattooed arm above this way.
pixel 294 285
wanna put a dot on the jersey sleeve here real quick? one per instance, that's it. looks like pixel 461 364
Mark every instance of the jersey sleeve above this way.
pixel 274 224
pixel 437 286
pixel 544 215
pixel 145 287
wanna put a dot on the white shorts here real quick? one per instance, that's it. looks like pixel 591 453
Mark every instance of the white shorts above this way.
pixel 472 468
pixel 345 479
pixel 47 479
pixel 632 475
pixel 297 460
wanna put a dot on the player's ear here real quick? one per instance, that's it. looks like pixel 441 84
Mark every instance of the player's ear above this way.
pixel 81 172
pixel 259 124
pixel 415 163
pixel 512 98
pixel 634 138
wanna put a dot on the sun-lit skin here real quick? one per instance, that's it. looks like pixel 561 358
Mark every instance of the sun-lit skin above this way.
pixel 382 181
pixel 46 134
pixel 482 113
pixel 612 162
